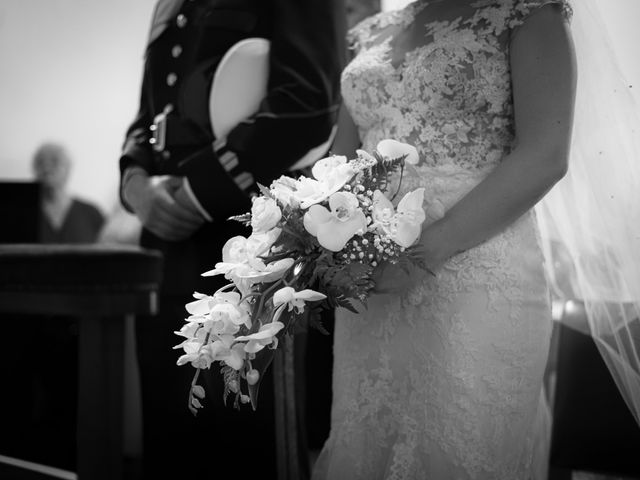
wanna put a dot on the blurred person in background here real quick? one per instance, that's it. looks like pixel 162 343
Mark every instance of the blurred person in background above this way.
pixel 64 219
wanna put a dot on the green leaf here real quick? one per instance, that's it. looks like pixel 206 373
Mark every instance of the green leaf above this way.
pixel 265 191
pixel 245 219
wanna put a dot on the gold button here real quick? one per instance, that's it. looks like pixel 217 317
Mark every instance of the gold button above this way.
pixel 172 78
pixel 181 21
pixel 176 51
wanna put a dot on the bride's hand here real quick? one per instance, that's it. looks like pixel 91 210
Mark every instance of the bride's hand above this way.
pixel 390 278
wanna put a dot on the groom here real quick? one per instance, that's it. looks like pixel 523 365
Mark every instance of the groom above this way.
pixel 183 184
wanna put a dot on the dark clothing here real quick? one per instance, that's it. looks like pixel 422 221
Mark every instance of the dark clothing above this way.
pixel 82 224
pixel 188 38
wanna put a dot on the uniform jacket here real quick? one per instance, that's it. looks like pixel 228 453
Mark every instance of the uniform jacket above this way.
pixel 187 40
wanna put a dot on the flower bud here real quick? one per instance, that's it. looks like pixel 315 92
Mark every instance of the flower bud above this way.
pixel 253 376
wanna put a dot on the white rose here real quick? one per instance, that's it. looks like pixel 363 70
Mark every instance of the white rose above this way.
pixel 265 214
pixel 309 192
pixel 282 189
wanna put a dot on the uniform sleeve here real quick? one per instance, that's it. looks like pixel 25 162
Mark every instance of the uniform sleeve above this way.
pixel 136 150
pixel 522 9
pixel 306 58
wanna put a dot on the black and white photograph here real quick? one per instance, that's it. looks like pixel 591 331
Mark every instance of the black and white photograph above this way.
pixel 320 239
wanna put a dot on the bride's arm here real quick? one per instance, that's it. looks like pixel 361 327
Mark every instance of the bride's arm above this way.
pixel 543 72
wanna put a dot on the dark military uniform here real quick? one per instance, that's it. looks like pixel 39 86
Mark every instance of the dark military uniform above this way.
pixel 187 40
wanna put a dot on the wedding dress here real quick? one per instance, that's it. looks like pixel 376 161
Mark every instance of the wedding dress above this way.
pixel 444 381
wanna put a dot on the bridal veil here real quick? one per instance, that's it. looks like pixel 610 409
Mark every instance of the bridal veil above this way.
pixel 590 221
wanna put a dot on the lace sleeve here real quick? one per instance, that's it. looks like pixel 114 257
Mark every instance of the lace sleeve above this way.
pixel 523 8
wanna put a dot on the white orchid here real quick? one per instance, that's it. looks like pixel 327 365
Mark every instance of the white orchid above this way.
pixel 201 306
pixel 266 335
pixel 403 224
pixel 190 330
pixel 287 296
pixel 391 149
pixel 230 311
pixel 410 218
pixel 195 354
pixel 335 228
pixel 241 263
pixel 222 313
pixel 233 356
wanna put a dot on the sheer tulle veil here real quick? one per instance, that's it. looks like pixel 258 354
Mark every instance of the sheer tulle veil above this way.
pixel 590 221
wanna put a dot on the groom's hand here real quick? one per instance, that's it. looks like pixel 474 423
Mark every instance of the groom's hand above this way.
pixel 153 201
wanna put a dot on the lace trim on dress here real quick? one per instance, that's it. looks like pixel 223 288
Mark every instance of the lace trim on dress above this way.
pixel 523 8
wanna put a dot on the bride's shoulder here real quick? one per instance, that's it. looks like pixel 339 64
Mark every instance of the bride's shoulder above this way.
pixel 364 31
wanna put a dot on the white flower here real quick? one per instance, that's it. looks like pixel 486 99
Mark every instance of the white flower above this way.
pixel 195 354
pixel 309 192
pixel 383 212
pixel 234 254
pixel 265 214
pixel 201 306
pixel 242 265
pixel 404 224
pixel 283 190
pixel 334 228
pixel 189 330
pixel 268 273
pixel 391 149
pixel 263 337
pixel 330 175
pixel 331 168
pixel 410 216
pixel 259 243
pixel 234 357
pixel 230 311
pixel 288 296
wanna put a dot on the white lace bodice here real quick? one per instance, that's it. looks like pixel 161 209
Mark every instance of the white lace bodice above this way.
pixel 451 95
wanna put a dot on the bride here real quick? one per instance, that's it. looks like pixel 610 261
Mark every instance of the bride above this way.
pixel 440 377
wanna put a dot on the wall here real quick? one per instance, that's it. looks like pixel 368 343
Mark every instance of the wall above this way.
pixel 70 71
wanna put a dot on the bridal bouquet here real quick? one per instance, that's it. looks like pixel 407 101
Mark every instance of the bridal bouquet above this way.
pixel 314 245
